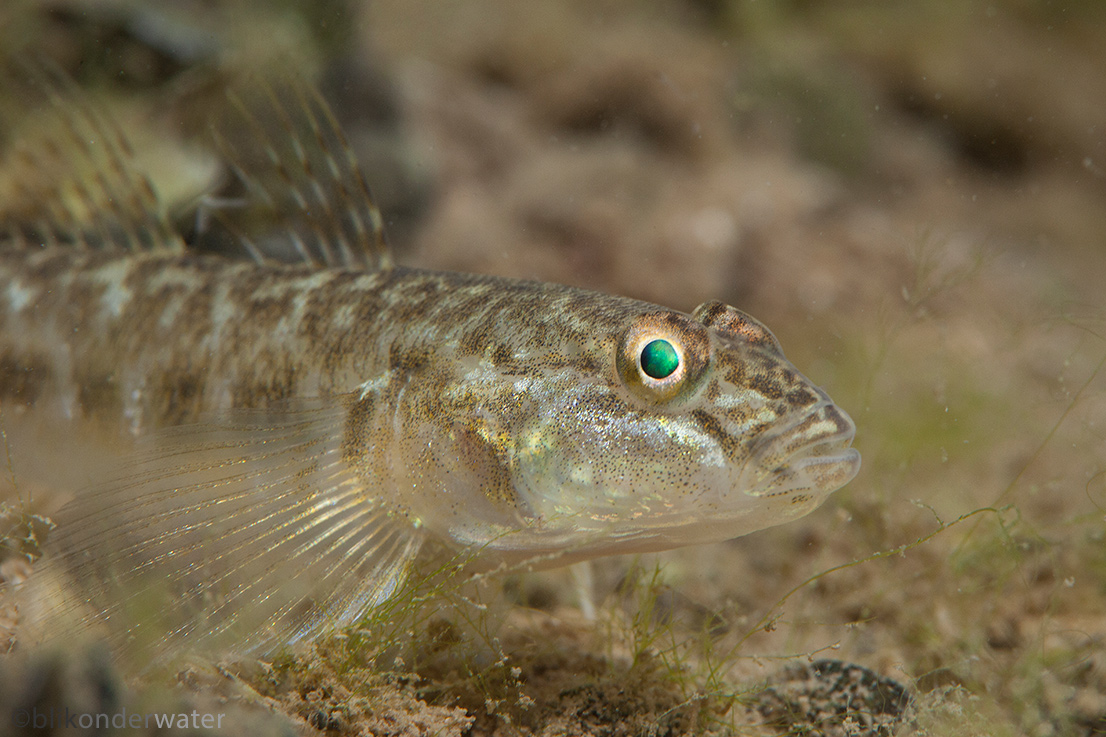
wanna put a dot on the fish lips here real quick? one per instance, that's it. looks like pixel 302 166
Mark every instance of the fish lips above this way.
pixel 807 457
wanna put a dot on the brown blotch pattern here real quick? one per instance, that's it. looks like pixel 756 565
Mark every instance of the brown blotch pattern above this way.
pixel 473 342
pixel 176 395
pixel 710 425
pixel 273 380
pixel 98 394
pixel 23 377
pixel 801 396
pixel 408 360
pixel 765 385
pixel 736 325
pixel 502 355
pixel 359 419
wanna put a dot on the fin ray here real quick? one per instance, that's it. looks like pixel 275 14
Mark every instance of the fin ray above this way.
pixel 77 180
pixel 287 149
pixel 241 536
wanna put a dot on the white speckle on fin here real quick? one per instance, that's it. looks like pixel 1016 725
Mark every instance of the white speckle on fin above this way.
pixel 240 534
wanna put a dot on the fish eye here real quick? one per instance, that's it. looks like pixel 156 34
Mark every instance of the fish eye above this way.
pixel 659 359
pixel 662 357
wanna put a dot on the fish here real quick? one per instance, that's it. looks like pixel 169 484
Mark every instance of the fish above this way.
pixel 290 428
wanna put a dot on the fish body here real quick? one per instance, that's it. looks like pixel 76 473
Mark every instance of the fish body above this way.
pixel 304 429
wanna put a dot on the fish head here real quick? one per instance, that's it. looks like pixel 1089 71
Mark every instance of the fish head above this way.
pixel 693 429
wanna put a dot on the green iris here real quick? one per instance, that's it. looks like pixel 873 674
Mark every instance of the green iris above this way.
pixel 659 359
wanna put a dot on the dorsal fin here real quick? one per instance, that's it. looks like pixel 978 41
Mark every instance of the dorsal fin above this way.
pixel 71 176
pixel 299 171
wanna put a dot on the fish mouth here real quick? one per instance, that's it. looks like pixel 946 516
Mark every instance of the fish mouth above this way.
pixel 810 454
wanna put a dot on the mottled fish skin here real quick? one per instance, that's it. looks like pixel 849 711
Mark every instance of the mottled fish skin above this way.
pixel 509 377
pixel 509 418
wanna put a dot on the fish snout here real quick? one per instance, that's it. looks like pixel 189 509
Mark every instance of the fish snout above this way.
pixel 811 453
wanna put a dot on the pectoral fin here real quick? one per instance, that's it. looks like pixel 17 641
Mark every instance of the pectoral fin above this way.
pixel 243 533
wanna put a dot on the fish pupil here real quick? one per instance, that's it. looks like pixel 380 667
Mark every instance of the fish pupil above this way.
pixel 659 359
